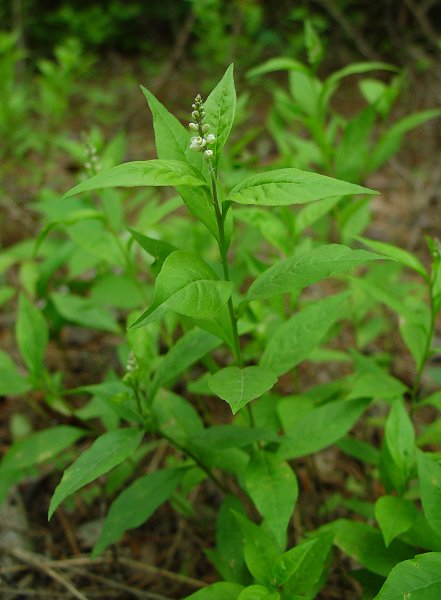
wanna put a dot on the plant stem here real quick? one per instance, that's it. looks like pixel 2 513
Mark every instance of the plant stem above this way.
pixel 199 463
pixel 223 252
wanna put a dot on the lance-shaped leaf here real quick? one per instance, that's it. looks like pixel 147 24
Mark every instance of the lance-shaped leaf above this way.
pixel 220 108
pixel 322 427
pixel 291 186
pixel 108 451
pixel 187 285
pixel 32 335
pixel 260 548
pixel 365 544
pixel 191 347
pixel 299 569
pixel 11 381
pixel 172 139
pixel 331 84
pixel 296 338
pixel 416 579
pixel 402 256
pixel 273 488
pixel 40 447
pixel 136 504
pixel 429 473
pixel 390 142
pixel 239 386
pixel 297 272
pixel 141 173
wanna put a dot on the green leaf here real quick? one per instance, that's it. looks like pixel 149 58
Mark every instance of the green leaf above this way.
pixel 172 139
pixel 398 450
pixel 116 291
pixel 311 213
pixel 380 293
pixel 32 335
pixel 365 545
pixel 402 256
pixel 417 579
pixel 429 473
pixel 187 285
pixel 40 447
pixel 272 486
pixel 156 248
pixel 322 427
pixel 291 186
pixel 11 382
pixel 191 347
pixel 220 109
pixel 421 535
pixel 299 335
pixel 332 82
pixel 136 504
pixel 277 64
pixel 297 272
pixel 415 336
pixel 108 451
pixel 299 569
pixel 362 451
pixel 390 142
pixel 141 173
pixel 353 148
pixel 218 591
pixel 221 437
pixel 378 384
pixel 230 560
pixel 313 43
pixel 305 90
pixel 84 312
pixel 258 592
pixel 176 417
pixel 394 516
pixel 238 386
pixel 260 549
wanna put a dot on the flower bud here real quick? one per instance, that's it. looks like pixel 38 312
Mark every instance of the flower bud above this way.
pixel 211 138
pixel 193 126
pixel 205 127
pixel 195 114
pixel 208 154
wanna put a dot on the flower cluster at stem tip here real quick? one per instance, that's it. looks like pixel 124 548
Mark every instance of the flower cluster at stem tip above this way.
pixel 203 139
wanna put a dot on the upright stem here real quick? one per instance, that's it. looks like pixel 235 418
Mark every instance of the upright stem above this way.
pixel 197 460
pixel 223 252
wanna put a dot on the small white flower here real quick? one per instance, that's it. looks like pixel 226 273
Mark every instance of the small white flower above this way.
pixel 193 126
pixel 211 138
pixel 195 114
pixel 208 154
pixel 197 143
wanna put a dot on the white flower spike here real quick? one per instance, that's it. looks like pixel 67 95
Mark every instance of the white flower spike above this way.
pixel 199 142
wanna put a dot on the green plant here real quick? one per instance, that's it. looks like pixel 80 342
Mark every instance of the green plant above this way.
pixel 248 318
pixel 310 133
